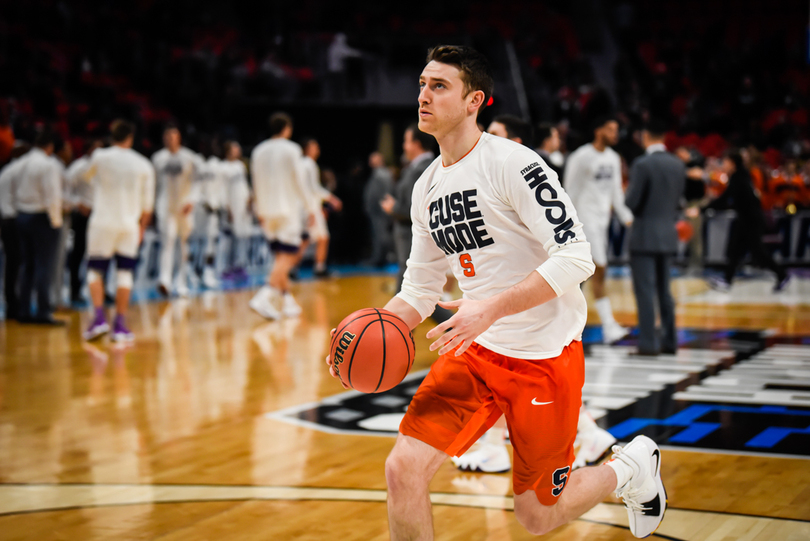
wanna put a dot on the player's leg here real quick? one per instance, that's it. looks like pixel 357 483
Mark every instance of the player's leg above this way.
pixel 185 226
pixel 643 270
pixel 598 239
pixel 212 236
pixel 547 493
pixel 100 248
pixel 666 304
pixel 408 471
pixel 125 260
pixel 449 412
pixel 168 239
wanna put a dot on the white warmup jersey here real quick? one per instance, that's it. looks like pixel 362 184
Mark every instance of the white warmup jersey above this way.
pixel 319 194
pixel 281 194
pixel 175 176
pixel 123 189
pixel 496 216
pixel 237 196
pixel 212 180
pixel 593 181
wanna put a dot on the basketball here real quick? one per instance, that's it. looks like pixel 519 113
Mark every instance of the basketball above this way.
pixel 685 230
pixel 372 350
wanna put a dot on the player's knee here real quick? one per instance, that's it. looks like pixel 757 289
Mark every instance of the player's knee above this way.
pixel 124 279
pixel 536 519
pixel 402 472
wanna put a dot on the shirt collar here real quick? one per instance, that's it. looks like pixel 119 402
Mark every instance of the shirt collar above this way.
pixel 657 147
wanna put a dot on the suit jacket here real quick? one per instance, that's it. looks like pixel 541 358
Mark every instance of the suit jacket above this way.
pixel 403 190
pixel 654 195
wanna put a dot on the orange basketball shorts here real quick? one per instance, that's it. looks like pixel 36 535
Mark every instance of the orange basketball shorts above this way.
pixel 462 397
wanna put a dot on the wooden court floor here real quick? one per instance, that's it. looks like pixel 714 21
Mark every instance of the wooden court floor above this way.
pixel 169 439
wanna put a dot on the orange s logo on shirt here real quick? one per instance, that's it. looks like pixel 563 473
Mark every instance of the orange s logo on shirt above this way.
pixel 466 263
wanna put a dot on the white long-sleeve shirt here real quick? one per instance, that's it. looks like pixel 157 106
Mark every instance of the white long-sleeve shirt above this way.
pixel 593 181
pixel 496 216
pixel 39 188
pixel 278 180
pixel 123 187
pixel 175 175
pixel 81 192
pixel 9 177
pixel 312 177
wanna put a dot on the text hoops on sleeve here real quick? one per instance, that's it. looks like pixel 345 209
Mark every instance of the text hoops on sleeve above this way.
pixel 538 181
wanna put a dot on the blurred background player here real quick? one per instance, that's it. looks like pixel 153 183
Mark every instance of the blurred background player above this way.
pixel 593 180
pixel 282 197
pixel 237 201
pixel 491 455
pixel 82 194
pixel 210 193
pixel 380 184
pixel 123 201
pixel 38 201
pixel 63 156
pixel 548 140
pixel 176 169
pixel 318 232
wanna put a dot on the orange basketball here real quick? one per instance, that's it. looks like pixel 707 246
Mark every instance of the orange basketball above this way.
pixel 372 350
pixel 685 230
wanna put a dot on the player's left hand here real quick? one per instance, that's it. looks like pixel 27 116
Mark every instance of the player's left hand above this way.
pixel 472 319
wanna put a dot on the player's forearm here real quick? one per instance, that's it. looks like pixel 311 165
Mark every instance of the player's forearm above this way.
pixel 405 311
pixel 532 291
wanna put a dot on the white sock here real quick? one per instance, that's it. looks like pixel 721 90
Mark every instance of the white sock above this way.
pixel 320 267
pixel 586 422
pixel 605 311
pixel 623 472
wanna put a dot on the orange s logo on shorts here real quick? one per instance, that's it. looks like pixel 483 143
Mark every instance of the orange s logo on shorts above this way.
pixel 466 263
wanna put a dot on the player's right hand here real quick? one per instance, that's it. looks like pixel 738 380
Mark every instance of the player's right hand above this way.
pixel 331 367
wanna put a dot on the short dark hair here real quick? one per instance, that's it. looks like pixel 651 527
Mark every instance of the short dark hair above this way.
pixel 121 130
pixel 516 127
pixel 656 128
pixel 306 141
pixel 544 131
pixel 44 137
pixel 170 126
pixel 425 140
pixel 476 73
pixel 279 121
pixel 601 120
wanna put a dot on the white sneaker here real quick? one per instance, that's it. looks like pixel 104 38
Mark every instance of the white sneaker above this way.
pixel 209 278
pixel 644 495
pixel 290 308
pixel 613 332
pixel 263 306
pixel 487 458
pixel 182 290
pixel 592 446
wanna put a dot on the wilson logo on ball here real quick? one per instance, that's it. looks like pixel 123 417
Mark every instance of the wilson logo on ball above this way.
pixel 343 344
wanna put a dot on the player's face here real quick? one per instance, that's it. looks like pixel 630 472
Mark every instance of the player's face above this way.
pixel 610 131
pixel 314 150
pixel 235 152
pixel 554 142
pixel 498 129
pixel 171 139
pixel 410 147
pixel 442 103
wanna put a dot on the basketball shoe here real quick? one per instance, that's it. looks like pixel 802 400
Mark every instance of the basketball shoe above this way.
pixel 591 446
pixel 263 305
pixel 98 327
pixel 120 331
pixel 209 278
pixel 644 495
pixel 487 458
pixel 613 332
pixel 290 307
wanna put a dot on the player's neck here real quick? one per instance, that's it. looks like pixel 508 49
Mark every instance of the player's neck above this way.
pixel 458 143
pixel 599 145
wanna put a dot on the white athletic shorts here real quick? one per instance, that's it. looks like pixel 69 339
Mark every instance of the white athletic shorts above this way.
pixel 286 230
pixel 598 238
pixel 176 225
pixel 104 242
pixel 318 230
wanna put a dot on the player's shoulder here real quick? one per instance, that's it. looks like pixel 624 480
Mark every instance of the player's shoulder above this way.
pixel 161 154
pixel 503 155
pixel 582 150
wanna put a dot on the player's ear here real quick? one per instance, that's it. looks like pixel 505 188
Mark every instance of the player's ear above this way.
pixel 477 101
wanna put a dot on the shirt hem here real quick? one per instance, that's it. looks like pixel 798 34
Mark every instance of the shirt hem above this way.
pixel 523 354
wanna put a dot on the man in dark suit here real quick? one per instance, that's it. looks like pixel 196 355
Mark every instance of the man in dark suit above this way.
pixel 654 196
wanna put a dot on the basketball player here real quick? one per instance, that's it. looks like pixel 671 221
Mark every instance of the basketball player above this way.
pixel 490 209
pixel 318 232
pixel 282 197
pixel 123 201
pixel 593 180
pixel 176 169
pixel 237 201
pixel 211 190
pixel 491 455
